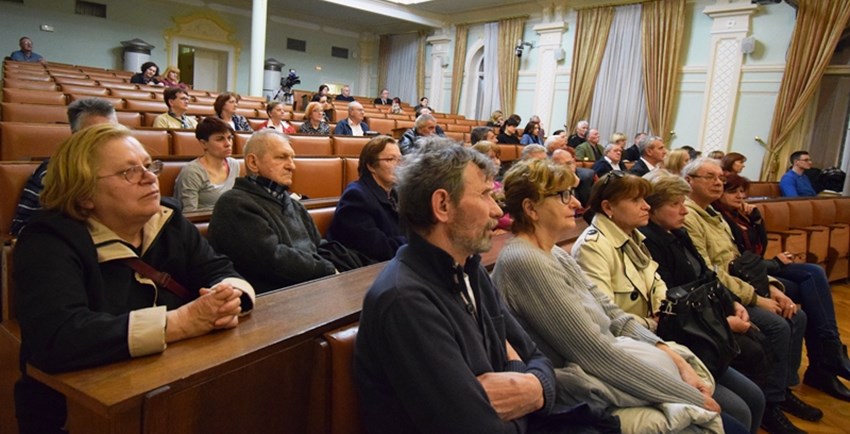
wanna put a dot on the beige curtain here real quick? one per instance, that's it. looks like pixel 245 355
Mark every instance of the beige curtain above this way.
pixel 420 66
pixel 592 31
pixel 461 33
pixel 510 31
pixel 663 24
pixel 817 31
pixel 383 63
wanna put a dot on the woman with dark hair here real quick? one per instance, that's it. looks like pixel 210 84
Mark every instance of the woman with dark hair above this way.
pixel 396 107
pixel 204 179
pixel 583 332
pixel 423 103
pixel 733 162
pixel 805 283
pixel 225 108
pixel 148 75
pixel 323 91
pixel 314 120
pixel 530 134
pixel 508 136
pixel 366 217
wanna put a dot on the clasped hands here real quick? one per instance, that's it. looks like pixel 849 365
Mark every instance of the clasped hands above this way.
pixel 217 308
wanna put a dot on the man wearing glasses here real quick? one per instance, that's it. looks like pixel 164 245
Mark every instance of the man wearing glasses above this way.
pixel 177 101
pixel 794 182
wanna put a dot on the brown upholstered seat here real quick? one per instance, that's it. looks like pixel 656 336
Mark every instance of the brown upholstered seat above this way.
pixel 184 143
pixel 25 141
pixel 351 170
pixel 345 414
pixel 129 119
pixel 824 214
pixel 349 146
pixel 322 218
pixel 817 236
pixel 777 220
pixel 311 145
pixel 132 94
pixel 383 126
pixel 85 90
pixel 141 106
pixel 78 81
pixel 13 83
pixel 13 176
pixel 508 153
pixel 318 177
pixel 29 96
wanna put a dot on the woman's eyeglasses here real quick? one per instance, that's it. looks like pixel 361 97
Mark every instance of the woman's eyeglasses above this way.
pixel 135 174
pixel 566 195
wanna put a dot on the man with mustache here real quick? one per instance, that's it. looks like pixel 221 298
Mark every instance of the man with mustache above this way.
pixel 437 350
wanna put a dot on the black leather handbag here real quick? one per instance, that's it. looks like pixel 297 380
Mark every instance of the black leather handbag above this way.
pixel 751 268
pixel 694 315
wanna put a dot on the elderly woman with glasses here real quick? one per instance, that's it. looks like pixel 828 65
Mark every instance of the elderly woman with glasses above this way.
pixel 611 250
pixel 366 217
pixel 88 270
pixel 590 340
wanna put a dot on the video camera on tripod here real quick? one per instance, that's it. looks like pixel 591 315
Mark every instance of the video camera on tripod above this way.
pixel 284 94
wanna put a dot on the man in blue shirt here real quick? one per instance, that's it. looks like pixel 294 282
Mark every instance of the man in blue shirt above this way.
pixel 794 183
pixel 25 54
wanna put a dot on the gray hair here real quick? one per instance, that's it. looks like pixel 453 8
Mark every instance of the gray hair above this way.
pixel 645 142
pixel 258 142
pixel 353 104
pixel 439 164
pixel 694 165
pixel 531 149
pixel 609 147
pixel 421 120
pixel 582 122
pixel 82 108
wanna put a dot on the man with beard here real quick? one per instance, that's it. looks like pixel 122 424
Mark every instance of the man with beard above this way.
pixel 437 350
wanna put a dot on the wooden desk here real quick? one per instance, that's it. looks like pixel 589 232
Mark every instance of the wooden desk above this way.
pixel 267 375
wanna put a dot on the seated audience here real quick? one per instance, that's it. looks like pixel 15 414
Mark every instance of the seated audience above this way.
pixel 804 283
pixel 586 176
pixel 384 99
pixel 716 155
pixel 611 250
pixel 225 106
pixel 323 91
pixel 571 319
pixel 541 133
pixel 82 113
pixel 496 119
pixel 679 263
pixel 652 153
pixel 530 134
pixel 733 162
pixel 676 160
pixel 774 313
pixel 25 54
pixel 270 236
pixel 177 101
pixel 692 153
pixel 424 126
pixel 535 152
pixel 171 78
pixel 345 94
pixel 430 356
pixel 148 75
pixel 396 107
pixel 580 135
pixel 354 125
pixel 558 140
pixel 366 217
pixel 314 120
pixel 619 139
pixel 610 161
pixel 82 302
pixel 482 133
pixel 328 110
pixel 794 182
pixel 632 153
pixel 204 179
pixel 423 103
pixel 277 113
pixel 591 150
pixel 508 136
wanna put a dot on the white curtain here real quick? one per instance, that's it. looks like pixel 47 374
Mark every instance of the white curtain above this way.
pixel 491 69
pixel 401 67
pixel 619 104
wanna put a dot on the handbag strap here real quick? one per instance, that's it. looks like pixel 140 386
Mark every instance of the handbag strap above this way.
pixel 161 279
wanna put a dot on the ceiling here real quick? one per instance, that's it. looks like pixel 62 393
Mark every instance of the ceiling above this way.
pixel 379 16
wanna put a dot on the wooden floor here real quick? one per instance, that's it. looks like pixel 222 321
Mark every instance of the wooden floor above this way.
pixel 836 412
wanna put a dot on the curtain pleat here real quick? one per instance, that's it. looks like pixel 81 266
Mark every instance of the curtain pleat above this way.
pixel 816 33
pixel 663 26
pixel 510 31
pixel 420 66
pixel 383 60
pixel 591 37
pixel 461 33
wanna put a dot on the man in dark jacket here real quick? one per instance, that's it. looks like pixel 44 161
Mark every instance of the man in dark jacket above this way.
pixel 353 125
pixel 437 350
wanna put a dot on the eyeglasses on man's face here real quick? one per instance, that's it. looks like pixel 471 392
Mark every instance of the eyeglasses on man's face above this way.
pixel 135 174
pixel 711 178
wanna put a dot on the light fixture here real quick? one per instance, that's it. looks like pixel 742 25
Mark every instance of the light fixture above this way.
pixel 519 47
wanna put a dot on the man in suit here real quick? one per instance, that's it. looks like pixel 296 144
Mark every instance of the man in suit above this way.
pixel 384 99
pixel 652 153
pixel 353 125
pixel 345 95
pixel 611 160
pixel 632 153
pixel 591 150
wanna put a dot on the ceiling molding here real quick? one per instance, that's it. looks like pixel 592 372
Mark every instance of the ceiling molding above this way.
pixel 398 12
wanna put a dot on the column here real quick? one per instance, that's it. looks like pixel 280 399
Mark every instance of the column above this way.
pixel 731 25
pixel 550 52
pixel 440 59
pixel 258 46
pixel 367 53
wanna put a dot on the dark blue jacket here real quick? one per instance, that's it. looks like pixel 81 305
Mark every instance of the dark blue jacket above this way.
pixel 344 129
pixel 366 220
pixel 419 349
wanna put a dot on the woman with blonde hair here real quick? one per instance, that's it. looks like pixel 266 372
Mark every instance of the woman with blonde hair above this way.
pixel 171 78
pixel 676 160
pixel 314 120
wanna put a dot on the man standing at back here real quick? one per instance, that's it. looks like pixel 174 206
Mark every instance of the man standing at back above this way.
pixel 437 350
pixel 794 182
